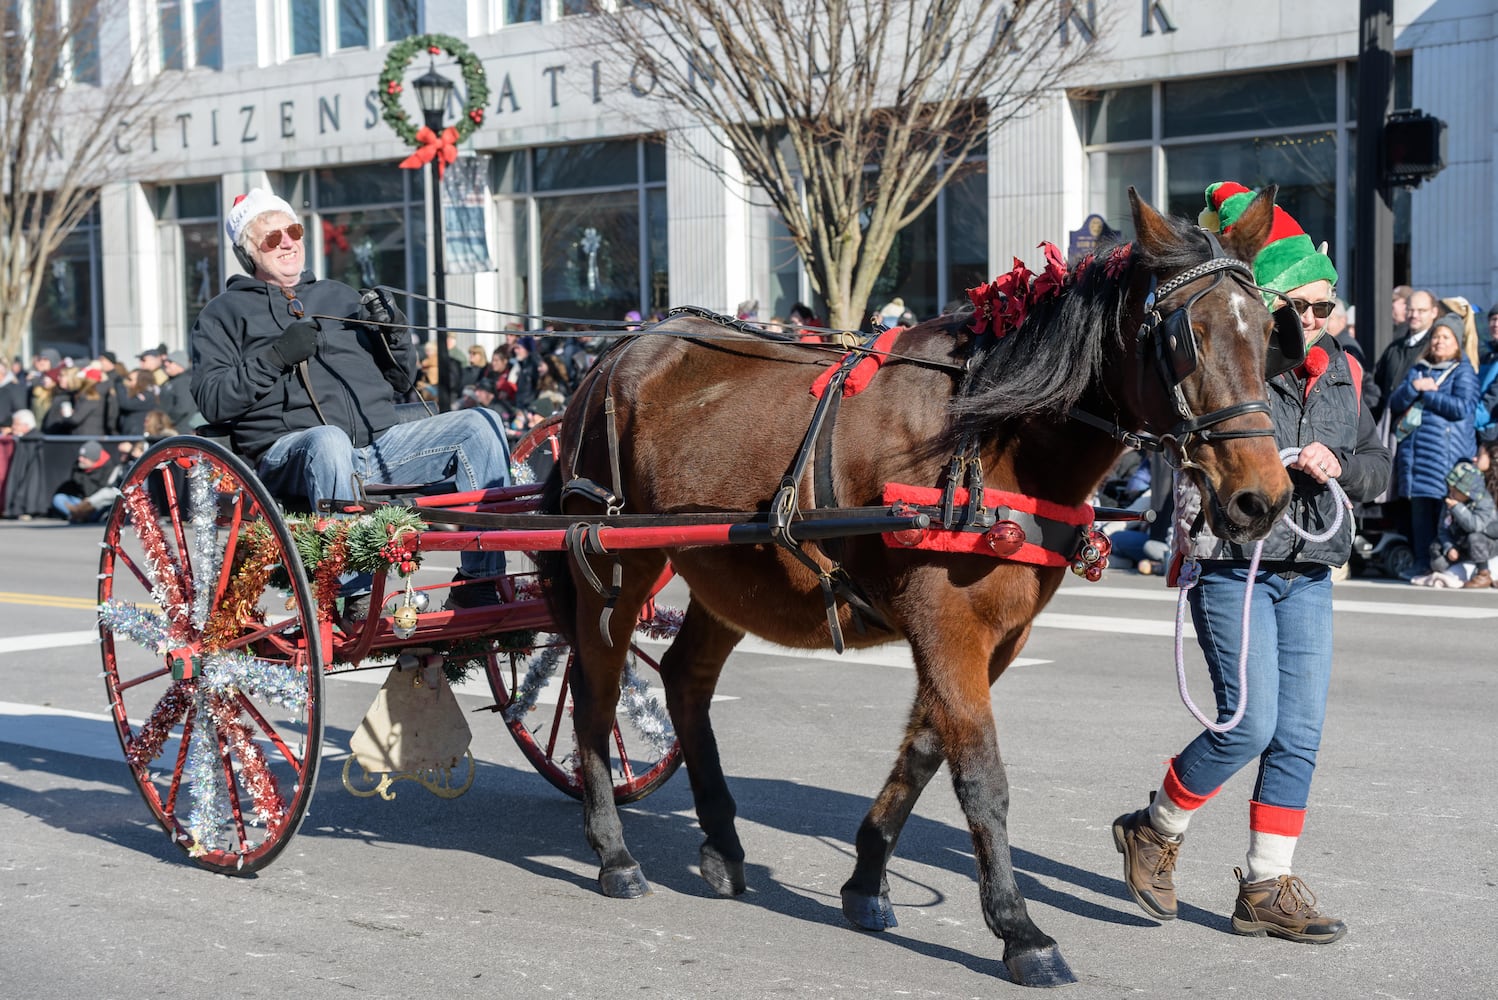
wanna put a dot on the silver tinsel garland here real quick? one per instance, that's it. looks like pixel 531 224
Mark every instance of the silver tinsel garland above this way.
pixel 201 501
pixel 541 667
pixel 211 811
pixel 645 711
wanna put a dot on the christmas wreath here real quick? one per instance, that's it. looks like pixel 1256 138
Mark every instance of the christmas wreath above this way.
pixel 392 84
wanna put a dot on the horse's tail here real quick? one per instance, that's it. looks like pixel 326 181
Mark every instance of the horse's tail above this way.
pixel 552 569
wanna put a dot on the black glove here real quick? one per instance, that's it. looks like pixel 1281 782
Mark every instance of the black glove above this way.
pixel 297 343
pixel 375 306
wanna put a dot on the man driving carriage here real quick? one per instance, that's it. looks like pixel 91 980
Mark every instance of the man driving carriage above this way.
pixel 305 374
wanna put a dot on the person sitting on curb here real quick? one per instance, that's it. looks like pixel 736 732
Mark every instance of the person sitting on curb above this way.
pixel 87 496
pixel 1463 554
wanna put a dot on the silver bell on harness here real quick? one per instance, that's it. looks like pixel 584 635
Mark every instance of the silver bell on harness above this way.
pixel 1092 555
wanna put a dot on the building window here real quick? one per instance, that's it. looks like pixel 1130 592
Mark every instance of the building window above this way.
pixel 70 308
pixel 588 226
pixel 63 31
pixel 1295 127
pixel 366 226
pixel 356 24
pixel 188 33
pixel 188 233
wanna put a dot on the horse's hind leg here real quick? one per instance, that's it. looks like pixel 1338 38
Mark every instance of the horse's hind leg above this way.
pixel 690 671
pixel 866 894
pixel 596 672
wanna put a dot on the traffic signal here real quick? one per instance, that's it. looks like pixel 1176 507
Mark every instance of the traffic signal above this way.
pixel 1414 148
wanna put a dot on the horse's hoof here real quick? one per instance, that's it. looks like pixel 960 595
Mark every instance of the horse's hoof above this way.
pixel 623 883
pixel 872 913
pixel 725 876
pixel 1040 967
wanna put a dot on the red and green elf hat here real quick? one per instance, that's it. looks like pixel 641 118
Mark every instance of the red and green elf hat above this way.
pixel 1289 259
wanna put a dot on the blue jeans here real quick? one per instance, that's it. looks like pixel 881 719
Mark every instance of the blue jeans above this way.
pixel 1289 669
pixel 466 446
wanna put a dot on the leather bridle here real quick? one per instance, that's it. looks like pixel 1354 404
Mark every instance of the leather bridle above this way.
pixel 1167 343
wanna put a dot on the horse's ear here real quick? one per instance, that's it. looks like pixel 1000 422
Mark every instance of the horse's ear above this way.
pixel 1251 231
pixel 1154 231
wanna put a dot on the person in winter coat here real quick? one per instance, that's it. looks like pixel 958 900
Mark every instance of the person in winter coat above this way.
pixel 79 407
pixel 1467 534
pixel 87 495
pixel 311 403
pixel 1433 409
pixel 1315 408
pixel 138 397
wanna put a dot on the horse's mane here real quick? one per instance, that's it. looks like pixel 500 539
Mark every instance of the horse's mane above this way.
pixel 1045 367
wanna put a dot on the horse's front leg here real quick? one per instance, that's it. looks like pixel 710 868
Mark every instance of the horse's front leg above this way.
pixel 866 894
pixel 690 670
pixel 958 706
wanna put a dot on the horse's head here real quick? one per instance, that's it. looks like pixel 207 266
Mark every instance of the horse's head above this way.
pixel 1198 379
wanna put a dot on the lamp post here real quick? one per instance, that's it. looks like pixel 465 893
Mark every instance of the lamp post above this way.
pixel 432 92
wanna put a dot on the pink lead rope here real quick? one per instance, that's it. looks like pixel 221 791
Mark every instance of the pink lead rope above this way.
pixel 1191 573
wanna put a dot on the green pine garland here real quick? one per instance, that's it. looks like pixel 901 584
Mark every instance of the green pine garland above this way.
pixel 392 84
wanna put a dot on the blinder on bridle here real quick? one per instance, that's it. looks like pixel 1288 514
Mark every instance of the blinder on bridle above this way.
pixel 1169 345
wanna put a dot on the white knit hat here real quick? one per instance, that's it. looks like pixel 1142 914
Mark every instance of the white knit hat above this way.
pixel 248 206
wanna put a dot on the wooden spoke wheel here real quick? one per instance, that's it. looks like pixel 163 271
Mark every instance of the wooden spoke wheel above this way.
pixel 212 654
pixel 534 691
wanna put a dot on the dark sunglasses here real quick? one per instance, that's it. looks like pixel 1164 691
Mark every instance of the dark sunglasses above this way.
pixel 1321 310
pixel 272 239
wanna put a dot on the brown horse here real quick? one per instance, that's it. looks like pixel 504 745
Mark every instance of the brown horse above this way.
pixel 709 419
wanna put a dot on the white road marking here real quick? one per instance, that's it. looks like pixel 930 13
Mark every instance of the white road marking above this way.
pixel 56 640
pixel 1409 610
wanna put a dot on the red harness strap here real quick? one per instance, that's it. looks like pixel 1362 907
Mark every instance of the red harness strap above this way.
pixel 868 365
pixel 977 542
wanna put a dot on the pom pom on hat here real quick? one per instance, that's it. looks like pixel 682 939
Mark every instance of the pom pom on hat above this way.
pixel 1289 259
pixel 247 207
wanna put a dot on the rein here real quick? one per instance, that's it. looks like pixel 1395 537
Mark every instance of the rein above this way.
pixel 1191 573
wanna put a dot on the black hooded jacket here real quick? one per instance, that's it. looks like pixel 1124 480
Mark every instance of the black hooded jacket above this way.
pixel 239 382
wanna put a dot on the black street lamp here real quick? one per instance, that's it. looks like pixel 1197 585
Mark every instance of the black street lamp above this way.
pixel 433 90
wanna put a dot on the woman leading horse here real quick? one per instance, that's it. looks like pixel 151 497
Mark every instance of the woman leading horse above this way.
pixel 1163 342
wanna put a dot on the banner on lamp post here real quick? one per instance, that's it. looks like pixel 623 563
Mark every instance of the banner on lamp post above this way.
pixel 465 216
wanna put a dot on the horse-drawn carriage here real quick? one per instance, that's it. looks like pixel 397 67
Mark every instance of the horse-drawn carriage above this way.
pixel 938 495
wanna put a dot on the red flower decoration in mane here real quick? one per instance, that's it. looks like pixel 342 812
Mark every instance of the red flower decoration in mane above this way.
pixel 982 299
pixel 1050 281
pixel 1118 260
pixel 1082 266
pixel 1015 288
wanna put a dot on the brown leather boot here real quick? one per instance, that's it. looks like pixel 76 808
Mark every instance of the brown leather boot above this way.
pixel 1482 578
pixel 1149 863
pixel 1282 907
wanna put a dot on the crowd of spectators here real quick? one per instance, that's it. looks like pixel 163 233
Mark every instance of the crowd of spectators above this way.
pixel 96 401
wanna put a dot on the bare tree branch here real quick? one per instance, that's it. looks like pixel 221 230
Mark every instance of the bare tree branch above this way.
pixel 67 95
pixel 849 115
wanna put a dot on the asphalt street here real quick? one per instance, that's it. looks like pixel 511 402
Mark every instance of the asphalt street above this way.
pixel 493 894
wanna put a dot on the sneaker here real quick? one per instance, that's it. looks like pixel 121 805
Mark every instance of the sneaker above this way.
pixel 1445 579
pixel 468 593
pixel 1284 908
pixel 81 512
pixel 1149 863
pixel 1145 567
pixel 1482 578
pixel 1423 580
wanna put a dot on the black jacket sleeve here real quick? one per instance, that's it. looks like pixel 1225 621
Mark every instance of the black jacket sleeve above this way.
pixel 1365 472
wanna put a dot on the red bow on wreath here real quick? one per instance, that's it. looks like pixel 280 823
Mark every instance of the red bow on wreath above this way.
pixel 443 148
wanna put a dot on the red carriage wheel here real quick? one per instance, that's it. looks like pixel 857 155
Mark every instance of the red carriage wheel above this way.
pixel 534 691
pixel 534 694
pixel 212 654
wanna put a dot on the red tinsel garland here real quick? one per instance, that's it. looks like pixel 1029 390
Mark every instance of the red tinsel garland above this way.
pixel 325 576
pixel 163 570
pixel 253 773
pixel 145 746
